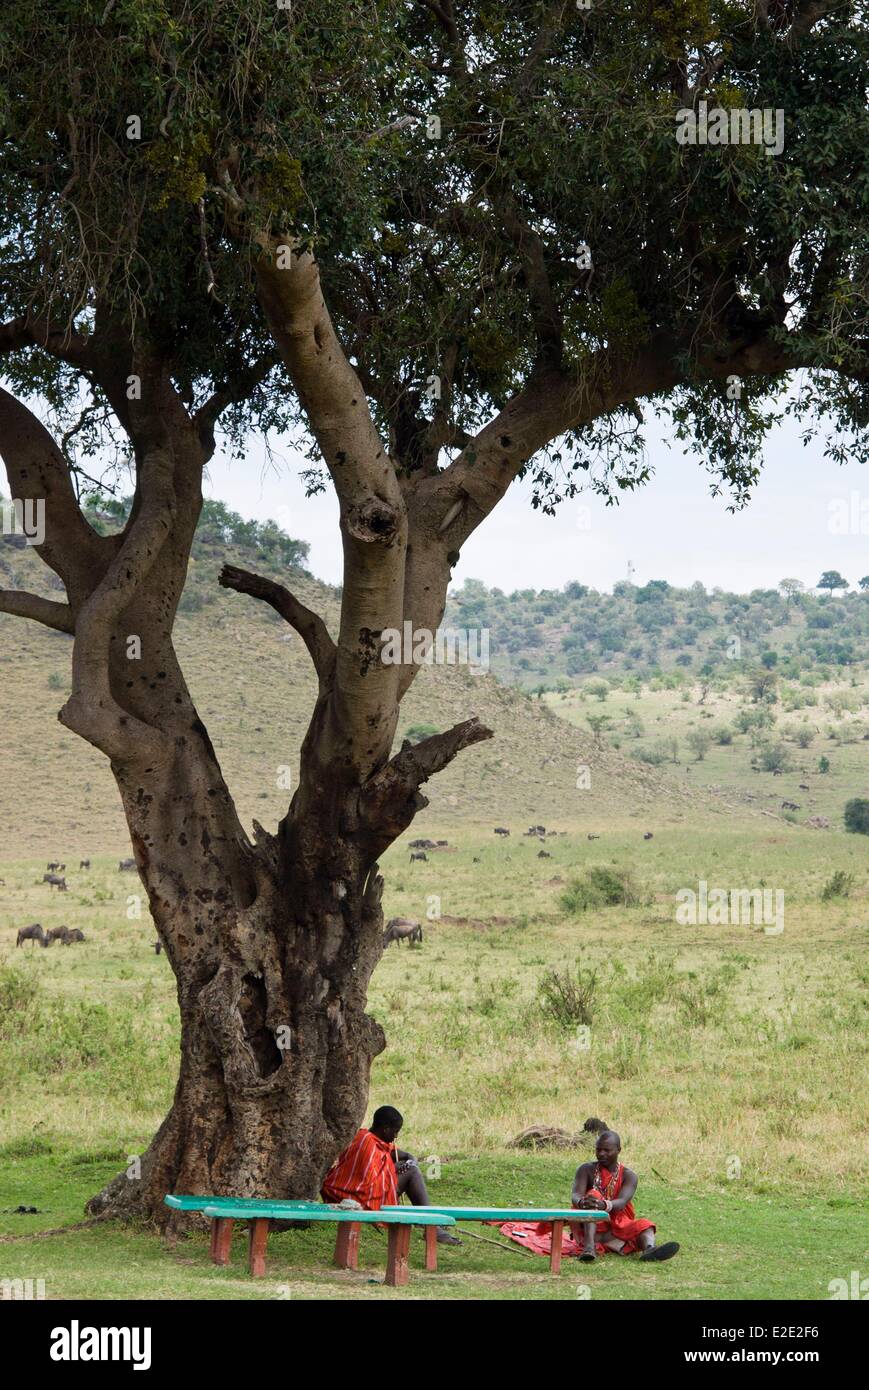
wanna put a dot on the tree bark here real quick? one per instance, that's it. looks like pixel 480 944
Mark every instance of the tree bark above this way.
pixel 272 962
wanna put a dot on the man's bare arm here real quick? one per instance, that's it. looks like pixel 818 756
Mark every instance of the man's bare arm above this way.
pixel 626 1191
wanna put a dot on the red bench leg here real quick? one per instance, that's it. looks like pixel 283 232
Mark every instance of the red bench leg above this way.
pixel 258 1234
pixel 431 1247
pixel 397 1252
pixel 347 1245
pixel 555 1257
pixel 221 1240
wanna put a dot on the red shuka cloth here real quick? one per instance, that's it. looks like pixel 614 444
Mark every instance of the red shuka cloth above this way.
pixel 365 1171
pixel 624 1225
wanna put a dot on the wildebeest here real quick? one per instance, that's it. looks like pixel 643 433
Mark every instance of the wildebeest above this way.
pixel 400 929
pixel 804 787
pixel 65 935
pixel 126 865
pixel 648 835
pixel 500 830
pixel 53 867
pixel 158 946
pixel 544 854
pixel 790 806
pixel 54 881
pixel 594 837
pixel 34 933
pixel 419 855
pixel 84 863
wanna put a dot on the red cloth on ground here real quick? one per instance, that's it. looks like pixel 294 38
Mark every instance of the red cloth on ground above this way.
pixel 364 1171
pixel 623 1225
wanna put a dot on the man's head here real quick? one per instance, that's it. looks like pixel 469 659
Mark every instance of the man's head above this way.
pixel 386 1123
pixel 607 1149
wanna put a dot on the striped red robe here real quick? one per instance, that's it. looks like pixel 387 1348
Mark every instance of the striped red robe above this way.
pixel 365 1171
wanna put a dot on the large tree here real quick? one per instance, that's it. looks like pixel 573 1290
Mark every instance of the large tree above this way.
pixel 449 242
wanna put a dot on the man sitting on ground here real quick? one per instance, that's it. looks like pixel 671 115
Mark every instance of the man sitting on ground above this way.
pixel 375 1174
pixel 607 1186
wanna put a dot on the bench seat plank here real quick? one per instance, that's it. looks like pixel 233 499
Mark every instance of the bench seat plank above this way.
pixel 511 1213
pixel 394 1216
pixel 185 1203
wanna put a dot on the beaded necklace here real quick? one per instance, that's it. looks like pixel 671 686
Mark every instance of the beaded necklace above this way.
pixel 611 1185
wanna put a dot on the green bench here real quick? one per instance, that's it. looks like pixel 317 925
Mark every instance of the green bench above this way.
pixel 557 1215
pixel 223 1211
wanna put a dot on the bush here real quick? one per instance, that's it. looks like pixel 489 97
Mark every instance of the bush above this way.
pixel 771 757
pixel 600 887
pixel 839 886
pixel 655 754
pixel 857 815
pixel 567 997
pixel 721 734
pixel 417 732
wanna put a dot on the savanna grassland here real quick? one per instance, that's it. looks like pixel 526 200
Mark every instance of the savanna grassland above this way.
pixel 734 1064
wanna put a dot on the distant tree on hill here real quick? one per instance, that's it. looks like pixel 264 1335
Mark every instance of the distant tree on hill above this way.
pixel 792 588
pixel 769 659
pixel 832 580
pixel 698 741
pixel 864 583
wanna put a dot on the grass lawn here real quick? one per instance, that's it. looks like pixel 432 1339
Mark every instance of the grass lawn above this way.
pixel 733 1246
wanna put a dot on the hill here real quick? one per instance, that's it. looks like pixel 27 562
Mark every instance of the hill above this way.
pixel 556 638
pixel 252 682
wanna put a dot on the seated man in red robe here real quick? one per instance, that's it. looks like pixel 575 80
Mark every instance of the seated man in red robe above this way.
pixel 607 1186
pixel 374 1173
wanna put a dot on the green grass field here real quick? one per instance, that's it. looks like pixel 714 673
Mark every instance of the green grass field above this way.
pixel 733 1063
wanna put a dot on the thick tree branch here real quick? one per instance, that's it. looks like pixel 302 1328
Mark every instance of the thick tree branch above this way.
pixel 308 624
pixel 391 798
pixel 42 610
pixel 92 710
pixel 806 16
pixel 363 711
pixel 39 473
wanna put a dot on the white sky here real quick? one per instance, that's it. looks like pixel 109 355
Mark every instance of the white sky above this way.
pixel 671 529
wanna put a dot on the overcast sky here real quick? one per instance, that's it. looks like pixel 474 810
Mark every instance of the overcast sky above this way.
pixel 671 529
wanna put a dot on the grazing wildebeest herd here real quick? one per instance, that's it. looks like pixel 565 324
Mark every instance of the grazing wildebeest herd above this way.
pixel 54 877
pixel 397 929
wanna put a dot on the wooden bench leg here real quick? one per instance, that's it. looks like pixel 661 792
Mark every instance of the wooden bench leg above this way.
pixel 555 1256
pixel 221 1240
pixel 258 1234
pixel 431 1247
pixel 397 1252
pixel 347 1245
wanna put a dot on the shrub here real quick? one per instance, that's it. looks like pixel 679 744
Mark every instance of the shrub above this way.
pixel 857 815
pixel 567 997
pixel 771 757
pixel 600 887
pixel 839 886
pixel 721 734
pixel 417 732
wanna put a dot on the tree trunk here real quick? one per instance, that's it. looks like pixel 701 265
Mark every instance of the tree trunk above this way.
pixel 273 947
